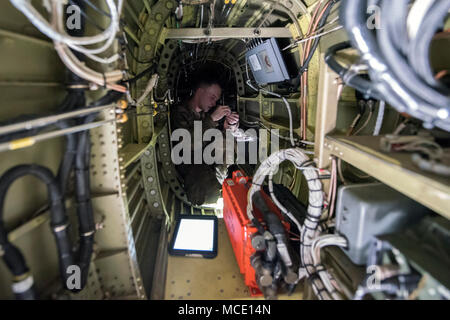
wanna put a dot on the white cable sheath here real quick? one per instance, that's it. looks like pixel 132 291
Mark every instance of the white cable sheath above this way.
pixel 79 68
pixel 57 33
pixel 416 15
pixel 39 22
pixel 151 84
pixel 288 107
pixel 310 229
pixel 380 118
pixel 321 242
pixel 23 286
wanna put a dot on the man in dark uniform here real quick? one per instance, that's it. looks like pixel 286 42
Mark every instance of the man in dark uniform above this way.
pixel 201 181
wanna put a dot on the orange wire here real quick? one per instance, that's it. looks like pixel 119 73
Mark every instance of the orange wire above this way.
pixel 441 74
pixel 304 79
pixel 116 87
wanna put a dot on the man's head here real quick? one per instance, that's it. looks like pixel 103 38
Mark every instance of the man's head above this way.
pixel 207 96
pixel 207 90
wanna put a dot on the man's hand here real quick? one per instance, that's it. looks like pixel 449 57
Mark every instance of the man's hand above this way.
pixel 220 113
pixel 232 121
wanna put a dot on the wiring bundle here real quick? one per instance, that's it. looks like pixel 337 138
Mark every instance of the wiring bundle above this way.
pixel 397 57
pixel 312 231
pixel 76 159
pixel 74 117
pixel 310 267
pixel 310 45
pixel 64 44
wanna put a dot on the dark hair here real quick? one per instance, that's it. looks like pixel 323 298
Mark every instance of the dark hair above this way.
pixel 206 76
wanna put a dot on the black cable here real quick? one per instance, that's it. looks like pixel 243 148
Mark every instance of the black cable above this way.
pixel 64 124
pixel 108 98
pixel 68 158
pixel 59 223
pixel 83 200
pixel 356 81
pixel 77 153
pixel 150 69
pixel 78 156
pixel 272 221
pixel 316 42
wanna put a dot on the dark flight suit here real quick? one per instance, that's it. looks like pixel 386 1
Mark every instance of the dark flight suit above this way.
pixel 200 180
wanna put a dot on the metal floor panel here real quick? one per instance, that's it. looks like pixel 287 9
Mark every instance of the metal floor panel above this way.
pixel 208 279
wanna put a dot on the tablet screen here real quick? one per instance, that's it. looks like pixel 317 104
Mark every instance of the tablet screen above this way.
pixel 195 234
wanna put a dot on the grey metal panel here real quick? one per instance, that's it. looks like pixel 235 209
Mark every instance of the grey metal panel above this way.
pixel 367 210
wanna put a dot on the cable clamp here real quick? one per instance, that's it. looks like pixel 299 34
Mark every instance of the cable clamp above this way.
pixel 353 71
pixel 88 234
pixel 23 286
pixel 349 75
pixel 60 228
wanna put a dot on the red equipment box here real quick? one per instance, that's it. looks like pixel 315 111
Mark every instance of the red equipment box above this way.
pixel 240 228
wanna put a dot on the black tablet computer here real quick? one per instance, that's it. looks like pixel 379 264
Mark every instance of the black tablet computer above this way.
pixel 195 236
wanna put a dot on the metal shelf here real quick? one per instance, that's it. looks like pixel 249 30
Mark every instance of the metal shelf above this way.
pixel 394 169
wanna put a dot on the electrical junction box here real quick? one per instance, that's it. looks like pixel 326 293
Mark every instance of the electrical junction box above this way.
pixel 364 211
pixel 266 62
